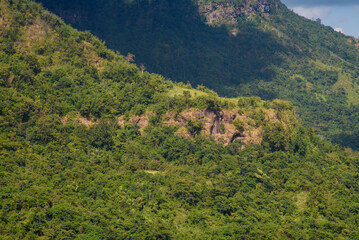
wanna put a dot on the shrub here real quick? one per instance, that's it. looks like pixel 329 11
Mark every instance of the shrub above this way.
pixel 194 127
pixel 239 125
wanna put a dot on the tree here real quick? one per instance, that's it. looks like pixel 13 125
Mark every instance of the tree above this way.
pixel 130 58
pixel 195 126
pixel 275 135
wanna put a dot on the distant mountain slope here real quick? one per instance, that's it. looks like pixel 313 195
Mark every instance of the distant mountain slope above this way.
pixel 93 147
pixel 236 47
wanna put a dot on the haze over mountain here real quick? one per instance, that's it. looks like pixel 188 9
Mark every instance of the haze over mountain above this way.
pixel 238 48
pixel 93 147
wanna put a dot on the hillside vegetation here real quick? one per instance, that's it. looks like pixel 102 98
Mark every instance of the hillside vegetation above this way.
pixel 92 147
pixel 238 48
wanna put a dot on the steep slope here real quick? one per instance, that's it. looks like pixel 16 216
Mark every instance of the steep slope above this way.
pixel 240 47
pixel 92 147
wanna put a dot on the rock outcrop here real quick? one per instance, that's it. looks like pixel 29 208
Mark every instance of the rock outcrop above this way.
pixel 229 12
pixel 218 125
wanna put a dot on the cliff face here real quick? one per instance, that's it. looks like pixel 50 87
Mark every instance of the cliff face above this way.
pixel 230 12
pixel 263 49
pixel 220 125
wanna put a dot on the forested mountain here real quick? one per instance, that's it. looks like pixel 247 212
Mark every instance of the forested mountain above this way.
pixel 93 147
pixel 238 48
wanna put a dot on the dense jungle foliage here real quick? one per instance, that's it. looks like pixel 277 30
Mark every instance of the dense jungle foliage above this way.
pixel 68 170
pixel 260 48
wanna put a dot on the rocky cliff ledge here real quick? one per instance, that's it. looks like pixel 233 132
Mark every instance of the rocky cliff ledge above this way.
pixel 230 12
pixel 220 125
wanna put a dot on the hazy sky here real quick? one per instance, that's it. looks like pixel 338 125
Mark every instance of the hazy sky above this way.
pixel 342 15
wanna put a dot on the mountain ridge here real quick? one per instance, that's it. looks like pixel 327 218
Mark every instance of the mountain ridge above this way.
pixel 271 55
pixel 93 147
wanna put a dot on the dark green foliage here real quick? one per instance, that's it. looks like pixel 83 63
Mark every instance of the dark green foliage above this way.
pixel 69 170
pixel 47 128
pixel 100 135
pixel 195 126
pixel 276 136
pixel 276 54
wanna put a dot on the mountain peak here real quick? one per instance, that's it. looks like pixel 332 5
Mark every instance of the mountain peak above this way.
pixel 262 48
pixel 232 11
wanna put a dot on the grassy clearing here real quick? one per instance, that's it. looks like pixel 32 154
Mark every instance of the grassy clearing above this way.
pixel 176 90
pixel 345 82
pixel 301 200
pixel 324 67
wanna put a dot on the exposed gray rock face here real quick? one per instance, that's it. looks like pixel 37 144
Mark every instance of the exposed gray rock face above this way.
pixel 229 12
pixel 216 124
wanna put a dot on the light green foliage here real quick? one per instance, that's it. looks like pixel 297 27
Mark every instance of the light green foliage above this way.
pixel 249 102
pixel 281 105
pixel 239 124
pixel 258 116
pixel 276 136
pixel 69 170
pixel 276 54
